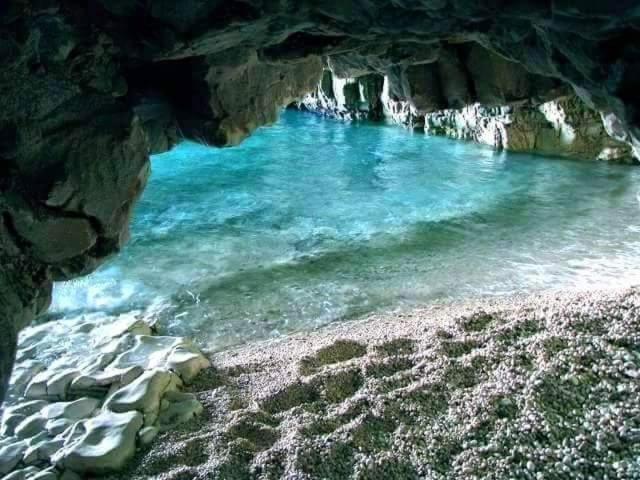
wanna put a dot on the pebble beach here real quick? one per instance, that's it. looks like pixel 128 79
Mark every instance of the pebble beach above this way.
pixel 541 386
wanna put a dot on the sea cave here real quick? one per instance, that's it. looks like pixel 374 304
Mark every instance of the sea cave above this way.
pixel 292 239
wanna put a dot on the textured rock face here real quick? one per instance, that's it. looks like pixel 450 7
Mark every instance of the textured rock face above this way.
pixel 348 99
pixel 562 127
pixel 89 89
pixel 112 386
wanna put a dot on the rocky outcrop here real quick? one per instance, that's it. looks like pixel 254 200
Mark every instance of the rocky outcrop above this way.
pixel 514 117
pixel 563 127
pixel 89 89
pixel 85 411
pixel 346 99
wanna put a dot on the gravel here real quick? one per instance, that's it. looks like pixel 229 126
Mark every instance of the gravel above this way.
pixel 543 386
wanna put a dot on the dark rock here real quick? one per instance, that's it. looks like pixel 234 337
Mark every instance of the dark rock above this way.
pixel 348 99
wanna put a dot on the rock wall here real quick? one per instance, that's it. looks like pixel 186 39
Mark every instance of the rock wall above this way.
pixel 347 99
pixel 89 89
pixel 563 127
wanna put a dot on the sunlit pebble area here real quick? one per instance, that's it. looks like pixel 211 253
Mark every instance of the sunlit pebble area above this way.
pixel 532 387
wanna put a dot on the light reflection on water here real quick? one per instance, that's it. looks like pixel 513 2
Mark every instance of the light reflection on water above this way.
pixel 312 221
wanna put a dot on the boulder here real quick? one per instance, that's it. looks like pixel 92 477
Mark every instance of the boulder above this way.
pixel 11 455
pixel 107 444
pixel 75 410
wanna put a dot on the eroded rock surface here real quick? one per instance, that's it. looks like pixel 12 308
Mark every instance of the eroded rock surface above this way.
pixel 561 127
pixel 90 89
pixel 514 118
pixel 88 391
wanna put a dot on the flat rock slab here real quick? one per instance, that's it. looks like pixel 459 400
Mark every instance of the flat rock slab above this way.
pixel 83 389
pixel 109 442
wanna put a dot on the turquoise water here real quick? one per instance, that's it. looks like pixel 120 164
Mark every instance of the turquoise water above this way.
pixel 312 221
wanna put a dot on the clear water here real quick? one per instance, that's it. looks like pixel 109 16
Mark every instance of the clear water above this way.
pixel 313 220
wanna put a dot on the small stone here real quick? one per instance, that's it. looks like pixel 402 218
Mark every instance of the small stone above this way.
pixel 148 434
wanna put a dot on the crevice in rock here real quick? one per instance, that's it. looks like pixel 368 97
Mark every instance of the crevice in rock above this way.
pixel 20 242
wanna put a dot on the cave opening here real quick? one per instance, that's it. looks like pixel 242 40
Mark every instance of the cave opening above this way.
pixel 334 296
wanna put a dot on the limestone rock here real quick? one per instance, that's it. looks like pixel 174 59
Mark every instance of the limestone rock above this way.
pixel 99 383
pixel 48 474
pixel 143 394
pixel 179 412
pixel 178 354
pixel 10 422
pixel 57 426
pixel 10 455
pixel 26 408
pixel 346 98
pixel 129 371
pixel 57 384
pixel 563 127
pixel 70 475
pixel 109 441
pixel 23 375
pixel 27 473
pixel 30 426
pixel 187 361
pixel 148 434
pixel 41 452
pixel 75 410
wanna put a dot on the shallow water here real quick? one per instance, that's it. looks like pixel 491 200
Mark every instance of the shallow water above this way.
pixel 313 220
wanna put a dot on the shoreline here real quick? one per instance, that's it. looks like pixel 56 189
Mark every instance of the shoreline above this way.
pixel 541 385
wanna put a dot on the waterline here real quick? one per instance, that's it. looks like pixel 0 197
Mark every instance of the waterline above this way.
pixel 312 221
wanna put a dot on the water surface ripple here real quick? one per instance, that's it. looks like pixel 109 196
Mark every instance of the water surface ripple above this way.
pixel 313 220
